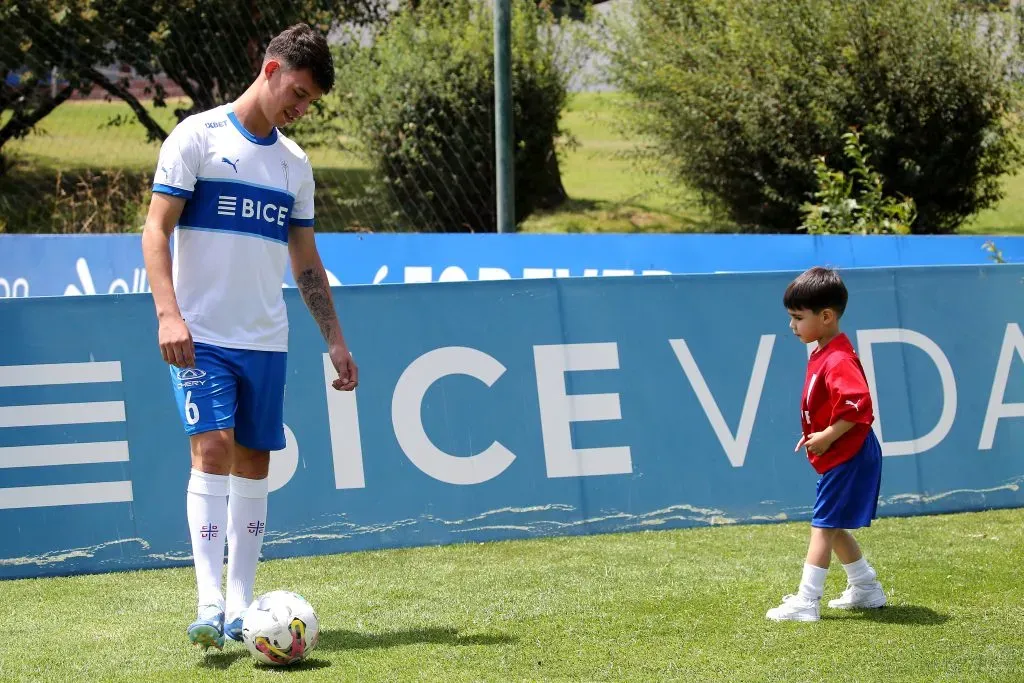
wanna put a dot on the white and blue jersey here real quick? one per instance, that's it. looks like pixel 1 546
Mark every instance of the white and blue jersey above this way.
pixel 243 192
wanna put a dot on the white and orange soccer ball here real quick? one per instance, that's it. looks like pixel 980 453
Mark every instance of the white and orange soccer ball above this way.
pixel 280 628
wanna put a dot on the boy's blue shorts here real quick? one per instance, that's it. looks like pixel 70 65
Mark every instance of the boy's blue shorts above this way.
pixel 848 493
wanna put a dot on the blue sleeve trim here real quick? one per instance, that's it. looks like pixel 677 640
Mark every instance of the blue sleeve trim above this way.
pixel 173 191
pixel 302 222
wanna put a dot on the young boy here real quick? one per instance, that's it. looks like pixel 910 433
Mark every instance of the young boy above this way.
pixel 836 416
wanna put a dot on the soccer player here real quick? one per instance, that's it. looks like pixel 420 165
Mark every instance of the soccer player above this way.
pixel 836 416
pixel 238 196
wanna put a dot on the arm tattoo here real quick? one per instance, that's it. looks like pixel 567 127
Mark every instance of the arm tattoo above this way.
pixel 317 295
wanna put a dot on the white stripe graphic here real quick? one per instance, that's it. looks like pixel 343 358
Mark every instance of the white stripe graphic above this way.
pixel 47 455
pixel 810 387
pixel 226 206
pixel 65 494
pixel 64 454
pixel 59 373
pixel 61 414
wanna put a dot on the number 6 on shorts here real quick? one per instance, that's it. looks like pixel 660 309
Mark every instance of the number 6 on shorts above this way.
pixel 191 409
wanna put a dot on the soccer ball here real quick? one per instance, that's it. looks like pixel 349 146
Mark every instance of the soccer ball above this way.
pixel 280 628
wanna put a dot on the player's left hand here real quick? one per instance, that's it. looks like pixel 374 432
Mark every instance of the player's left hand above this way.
pixel 816 443
pixel 348 372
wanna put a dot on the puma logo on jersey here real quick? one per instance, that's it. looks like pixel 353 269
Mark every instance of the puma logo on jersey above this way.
pixel 232 164
pixel 856 406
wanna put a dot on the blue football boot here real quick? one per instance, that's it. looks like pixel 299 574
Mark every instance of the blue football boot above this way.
pixel 233 629
pixel 208 630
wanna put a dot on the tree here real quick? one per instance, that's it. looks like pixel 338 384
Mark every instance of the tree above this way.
pixel 212 49
pixel 418 99
pixel 739 97
pixel 855 203
pixel 42 49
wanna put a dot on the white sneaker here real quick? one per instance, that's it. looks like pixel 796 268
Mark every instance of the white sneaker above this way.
pixel 795 608
pixel 866 596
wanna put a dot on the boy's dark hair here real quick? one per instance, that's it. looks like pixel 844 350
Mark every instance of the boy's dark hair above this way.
pixel 815 290
pixel 300 47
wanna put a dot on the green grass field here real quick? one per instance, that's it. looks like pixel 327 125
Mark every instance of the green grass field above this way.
pixel 608 191
pixel 684 605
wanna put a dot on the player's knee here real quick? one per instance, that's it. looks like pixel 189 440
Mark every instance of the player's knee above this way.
pixel 212 452
pixel 250 464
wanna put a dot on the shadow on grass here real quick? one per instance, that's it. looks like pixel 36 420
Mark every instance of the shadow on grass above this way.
pixel 222 660
pixel 305 665
pixel 352 640
pixel 907 615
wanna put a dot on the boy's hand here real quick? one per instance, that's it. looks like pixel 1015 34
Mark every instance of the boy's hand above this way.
pixel 817 443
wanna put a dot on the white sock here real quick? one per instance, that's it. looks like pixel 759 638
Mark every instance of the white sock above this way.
pixel 206 504
pixel 247 519
pixel 812 584
pixel 860 572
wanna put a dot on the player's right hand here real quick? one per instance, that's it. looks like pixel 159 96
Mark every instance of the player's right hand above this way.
pixel 176 345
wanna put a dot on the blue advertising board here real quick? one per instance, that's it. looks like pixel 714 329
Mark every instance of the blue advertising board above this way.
pixel 511 409
pixel 54 265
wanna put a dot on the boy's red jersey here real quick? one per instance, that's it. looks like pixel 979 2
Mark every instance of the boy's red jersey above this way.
pixel 836 389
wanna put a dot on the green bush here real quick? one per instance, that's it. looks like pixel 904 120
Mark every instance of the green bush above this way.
pixel 740 96
pixel 855 202
pixel 417 99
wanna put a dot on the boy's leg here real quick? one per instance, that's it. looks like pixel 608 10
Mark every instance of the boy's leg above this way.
pixel 863 591
pixel 804 605
pixel 858 571
pixel 819 550
pixel 846 547
pixel 862 477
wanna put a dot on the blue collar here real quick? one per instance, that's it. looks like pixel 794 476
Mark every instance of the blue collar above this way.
pixel 269 140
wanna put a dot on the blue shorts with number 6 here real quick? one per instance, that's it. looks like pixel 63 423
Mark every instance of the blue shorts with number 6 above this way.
pixel 234 388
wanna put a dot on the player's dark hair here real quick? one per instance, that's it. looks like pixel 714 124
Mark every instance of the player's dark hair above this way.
pixel 816 289
pixel 300 47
